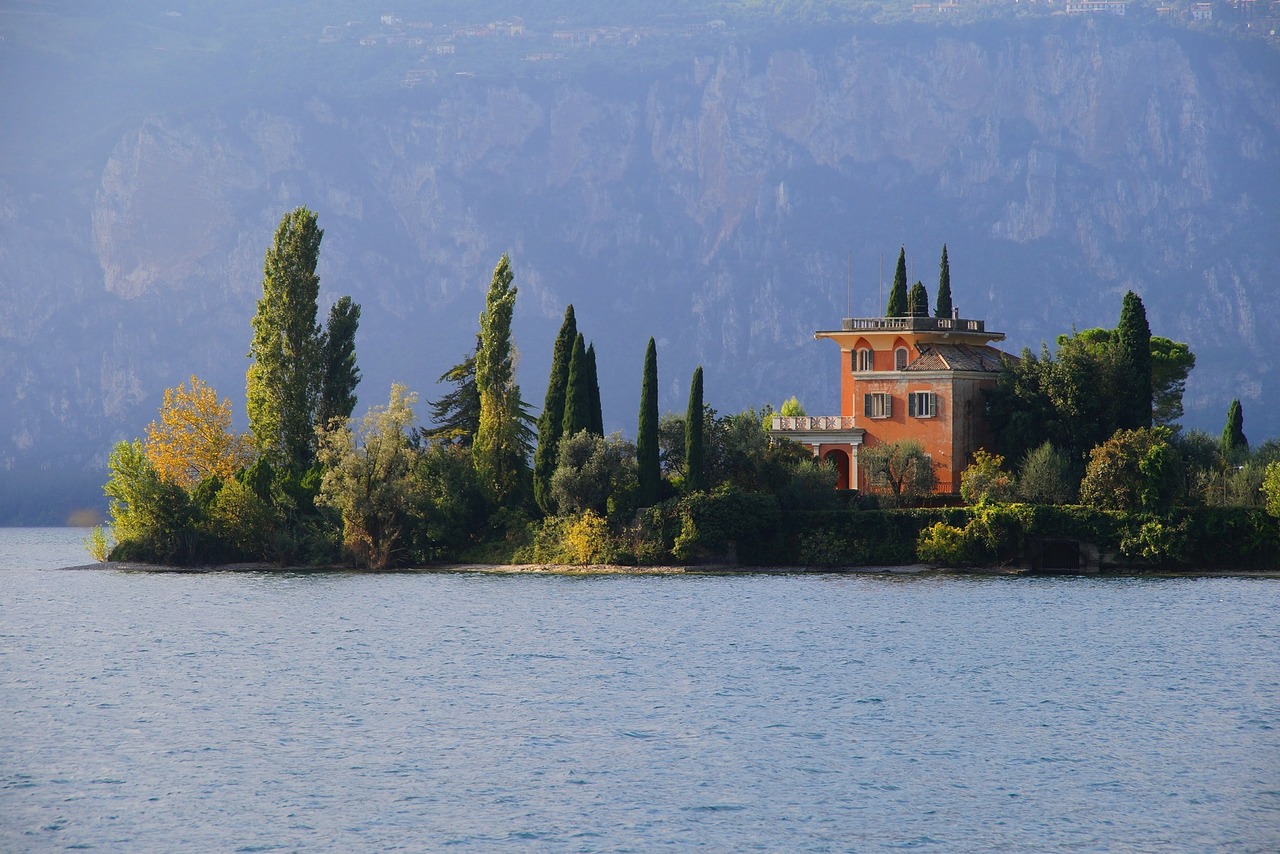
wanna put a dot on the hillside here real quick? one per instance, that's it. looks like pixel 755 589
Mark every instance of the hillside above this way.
pixel 707 183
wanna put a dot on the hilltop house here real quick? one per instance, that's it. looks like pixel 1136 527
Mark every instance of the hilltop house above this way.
pixel 902 378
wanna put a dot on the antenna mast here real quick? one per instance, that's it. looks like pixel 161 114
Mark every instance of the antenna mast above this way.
pixel 850 312
pixel 882 280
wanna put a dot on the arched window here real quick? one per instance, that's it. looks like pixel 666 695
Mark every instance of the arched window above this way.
pixel 900 359
pixel 865 360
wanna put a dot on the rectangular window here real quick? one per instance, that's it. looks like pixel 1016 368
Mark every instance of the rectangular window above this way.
pixel 877 405
pixel 922 404
pixel 865 360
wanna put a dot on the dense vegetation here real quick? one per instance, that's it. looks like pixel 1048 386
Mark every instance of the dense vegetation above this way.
pixel 309 484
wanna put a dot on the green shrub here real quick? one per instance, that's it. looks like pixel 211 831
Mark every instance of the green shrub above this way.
pixel 943 545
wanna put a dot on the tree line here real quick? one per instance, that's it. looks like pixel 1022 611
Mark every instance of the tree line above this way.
pixel 487 481
pixel 1093 423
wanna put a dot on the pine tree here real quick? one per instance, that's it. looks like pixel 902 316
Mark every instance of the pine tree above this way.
pixel 338 360
pixel 1133 337
pixel 457 414
pixel 918 301
pixel 1234 444
pixel 283 383
pixel 695 460
pixel 944 307
pixel 595 412
pixel 497 454
pixel 577 397
pixel 551 422
pixel 649 471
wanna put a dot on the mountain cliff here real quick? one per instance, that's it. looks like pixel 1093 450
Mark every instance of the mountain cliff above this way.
pixel 728 196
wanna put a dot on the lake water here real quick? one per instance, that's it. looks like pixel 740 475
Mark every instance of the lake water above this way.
pixel 358 712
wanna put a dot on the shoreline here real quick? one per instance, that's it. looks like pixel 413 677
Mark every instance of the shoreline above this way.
pixel 700 569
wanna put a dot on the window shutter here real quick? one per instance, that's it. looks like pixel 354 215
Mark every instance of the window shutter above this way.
pixel 933 404
pixel 911 405
pixel 888 406
pixel 866 405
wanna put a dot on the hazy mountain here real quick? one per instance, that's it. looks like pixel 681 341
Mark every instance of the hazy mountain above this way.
pixel 710 186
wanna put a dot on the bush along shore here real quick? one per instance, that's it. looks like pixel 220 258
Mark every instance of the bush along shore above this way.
pixel 490 484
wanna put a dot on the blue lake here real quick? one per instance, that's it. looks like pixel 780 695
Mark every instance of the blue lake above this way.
pixel 274 711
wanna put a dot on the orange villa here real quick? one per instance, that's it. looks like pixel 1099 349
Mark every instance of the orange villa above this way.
pixel 902 378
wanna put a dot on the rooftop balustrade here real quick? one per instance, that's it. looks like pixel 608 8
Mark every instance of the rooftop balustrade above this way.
pixel 812 423
pixel 914 324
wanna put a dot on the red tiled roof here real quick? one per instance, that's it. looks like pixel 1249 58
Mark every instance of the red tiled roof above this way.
pixel 959 357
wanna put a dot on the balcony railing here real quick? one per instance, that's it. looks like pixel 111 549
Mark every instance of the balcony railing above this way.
pixel 812 423
pixel 914 324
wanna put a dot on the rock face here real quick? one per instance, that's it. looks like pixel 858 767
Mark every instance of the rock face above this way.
pixel 727 203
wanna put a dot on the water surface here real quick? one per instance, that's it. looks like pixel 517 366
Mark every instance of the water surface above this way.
pixel 255 712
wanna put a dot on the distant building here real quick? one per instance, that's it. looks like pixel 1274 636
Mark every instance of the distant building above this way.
pixel 918 378
pixel 1202 12
pixel 1096 7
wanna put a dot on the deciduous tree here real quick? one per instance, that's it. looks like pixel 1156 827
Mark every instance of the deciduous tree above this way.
pixel 369 479
pixel 985 480
pixel 902 468
pixel 283 382
pixel 1134 470
pixel 193 438
pixel 499 457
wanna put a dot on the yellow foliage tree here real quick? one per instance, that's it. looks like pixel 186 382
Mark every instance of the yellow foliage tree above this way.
pixel 193 438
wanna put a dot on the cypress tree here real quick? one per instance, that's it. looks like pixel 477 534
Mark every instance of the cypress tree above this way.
pixel 551 422
pixel 577 397
pixel 649 470
pixel 1234 444
pixel 1133 336
pixel 944 307
pixel 695 459
pixel 283 383
pixel 918 301
pixel 898 294
pixel 338 358
pixel 595 413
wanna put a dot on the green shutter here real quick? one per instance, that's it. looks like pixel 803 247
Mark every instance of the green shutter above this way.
pixel 866 405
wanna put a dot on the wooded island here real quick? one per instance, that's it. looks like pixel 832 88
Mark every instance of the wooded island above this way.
pixel 1098 460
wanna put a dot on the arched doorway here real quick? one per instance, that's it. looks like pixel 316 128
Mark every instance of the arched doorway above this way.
pixel 840 460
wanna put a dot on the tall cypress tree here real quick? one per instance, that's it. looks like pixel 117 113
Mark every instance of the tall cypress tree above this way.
pixel 283 383
pixel 1133 337
pixel 898 294
pixel 695 457
pixel 551 422
pixel 595 413
pixel 1234 444
pixel 918 301
pixel 338 360
pixel 943 307
pixel 648 466
pixel 577 396
pixel 498 453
